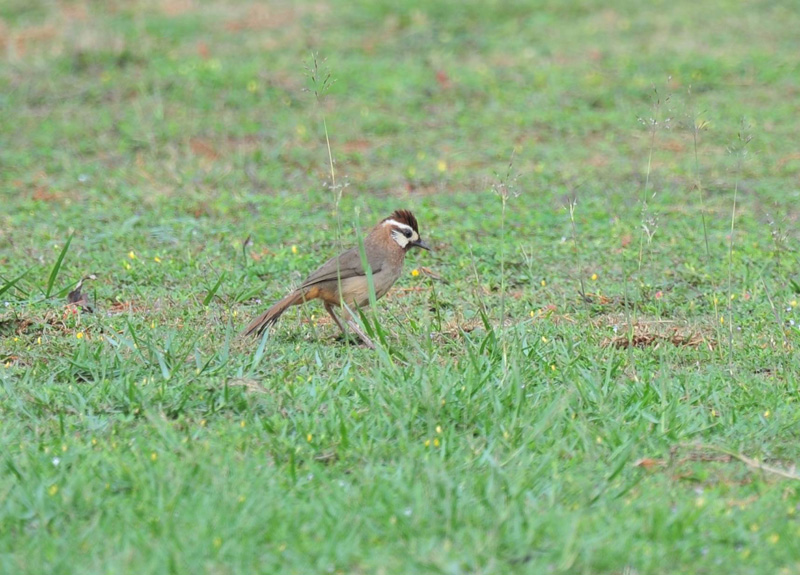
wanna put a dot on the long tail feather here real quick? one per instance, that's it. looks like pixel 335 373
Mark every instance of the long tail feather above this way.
pixel 266 319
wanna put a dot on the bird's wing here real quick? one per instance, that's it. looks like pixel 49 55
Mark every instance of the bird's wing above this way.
pixel 345 266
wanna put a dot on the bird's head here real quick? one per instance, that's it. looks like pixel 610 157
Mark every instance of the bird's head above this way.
pixel 403 230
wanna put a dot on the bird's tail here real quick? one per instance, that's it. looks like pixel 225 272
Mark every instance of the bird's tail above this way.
pixel 266 319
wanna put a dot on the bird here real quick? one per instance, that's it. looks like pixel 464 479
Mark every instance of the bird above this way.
pixel 342 281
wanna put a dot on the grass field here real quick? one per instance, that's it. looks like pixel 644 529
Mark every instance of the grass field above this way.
pixel 596 370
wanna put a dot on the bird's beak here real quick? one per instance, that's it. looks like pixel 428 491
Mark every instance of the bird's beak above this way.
pixel 420 244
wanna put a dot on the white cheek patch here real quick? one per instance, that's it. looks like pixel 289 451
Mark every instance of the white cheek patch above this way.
pixel 400 239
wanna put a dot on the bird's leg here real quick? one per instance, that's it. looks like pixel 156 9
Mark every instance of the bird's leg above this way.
pixel 329 309
pixel 353 325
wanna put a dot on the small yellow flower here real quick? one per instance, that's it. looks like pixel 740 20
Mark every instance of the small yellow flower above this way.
pixel 721 319
pixel 598 439
pixel 594 277
pixel 766 413
pixel 217 542
pixel 506 435
pixel 438 429
pixel 699 502
pixel 242 499
pixel 294 250
pixel 733 296
pixel 157 259
pixel 415 272
pixel 793 303
pixel 94 441
pixel 53 490
pixel 552 367
pixel 154 456
pixel 754 527
pixel 427 443
pixel 252 86
pixel 544 283
pixel 309 437
pixel 544 339
pixel 436 442
pixel 441 165
pixel 63 447
pixel 127 266
pixel 132 255
pixel 713 413
pixel 39 340
pixel 202 423
pixel 79 335
pixel 533 314
pixel 774 538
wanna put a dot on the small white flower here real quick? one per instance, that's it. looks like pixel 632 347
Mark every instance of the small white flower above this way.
pixel 56 461
pixel 83 178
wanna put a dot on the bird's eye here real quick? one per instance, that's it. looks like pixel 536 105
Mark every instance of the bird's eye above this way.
pixel 407 233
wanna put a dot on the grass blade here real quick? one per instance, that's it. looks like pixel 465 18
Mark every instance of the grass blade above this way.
pixel 57 267
pixel 9 284
pixel 213 291
pixel 259 355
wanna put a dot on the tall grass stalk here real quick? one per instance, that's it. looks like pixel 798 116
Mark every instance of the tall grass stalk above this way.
pixel 321 82
pixel 653 124
pixel 740 150
pixel 505 188
pixel 573 201
pixel 699 125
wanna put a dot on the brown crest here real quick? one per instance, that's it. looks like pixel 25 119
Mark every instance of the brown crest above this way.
pixel 404 217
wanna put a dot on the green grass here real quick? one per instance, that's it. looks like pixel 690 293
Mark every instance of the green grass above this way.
pixel 506 424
